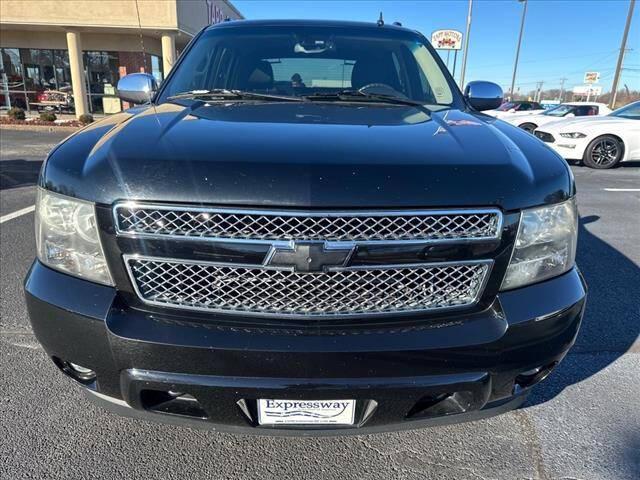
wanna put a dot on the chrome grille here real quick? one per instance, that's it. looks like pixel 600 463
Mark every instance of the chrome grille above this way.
pixel 262 225
pixel 344 291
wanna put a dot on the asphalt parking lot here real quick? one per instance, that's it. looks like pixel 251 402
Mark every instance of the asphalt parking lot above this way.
pixel 583 422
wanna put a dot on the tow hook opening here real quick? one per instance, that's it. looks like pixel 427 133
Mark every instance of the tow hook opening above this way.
pixel 530 377
pixel 172 403
pixel 442 404
pixel 79 373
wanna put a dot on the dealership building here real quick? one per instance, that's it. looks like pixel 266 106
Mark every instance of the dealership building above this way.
pixel 70 54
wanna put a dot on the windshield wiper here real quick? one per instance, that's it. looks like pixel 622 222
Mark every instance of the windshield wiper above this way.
pixel 358 96
pixel 341 96
pixel 225 94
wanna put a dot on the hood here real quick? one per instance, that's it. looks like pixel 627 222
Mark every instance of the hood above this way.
pixel 307 155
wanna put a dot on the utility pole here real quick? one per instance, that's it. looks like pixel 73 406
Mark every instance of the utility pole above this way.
pixel 623 47
pixel 515 65
pixel 465 54
pixel 562 80
pixel 538 91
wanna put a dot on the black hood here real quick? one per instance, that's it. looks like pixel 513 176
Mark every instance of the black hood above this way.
pixel 307 155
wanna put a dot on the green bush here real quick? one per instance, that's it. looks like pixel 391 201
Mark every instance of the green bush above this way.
pixel 85 119
pixel 48 117
pixel 16 113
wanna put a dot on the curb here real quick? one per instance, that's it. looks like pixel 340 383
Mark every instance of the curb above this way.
pixel 38 128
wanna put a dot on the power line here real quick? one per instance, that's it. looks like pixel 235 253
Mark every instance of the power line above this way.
pixel 560 73
pixel 547 59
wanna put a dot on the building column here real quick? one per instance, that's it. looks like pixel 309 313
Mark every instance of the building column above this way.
pixel 168 52
pixel 77 73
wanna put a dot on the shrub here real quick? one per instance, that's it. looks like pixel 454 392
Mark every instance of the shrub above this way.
pixel 85 119
pixel 48 117
pixel 16 113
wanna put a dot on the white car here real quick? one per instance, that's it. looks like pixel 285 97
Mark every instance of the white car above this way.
pixel 564 110
pixel 600 142
pixel 516 107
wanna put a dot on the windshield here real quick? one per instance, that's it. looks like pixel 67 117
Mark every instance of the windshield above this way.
pixel 507 106
pixel 631 111
pixel 559 111
pixel 304 61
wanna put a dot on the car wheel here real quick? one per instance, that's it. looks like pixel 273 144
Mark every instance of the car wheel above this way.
pixel 604 152
pixel 529 127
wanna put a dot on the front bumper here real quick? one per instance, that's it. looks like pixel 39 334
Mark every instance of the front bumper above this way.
pixel 460 368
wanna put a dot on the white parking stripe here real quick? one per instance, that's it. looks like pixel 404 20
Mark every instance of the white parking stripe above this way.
pixel 622 189
pixel 16 214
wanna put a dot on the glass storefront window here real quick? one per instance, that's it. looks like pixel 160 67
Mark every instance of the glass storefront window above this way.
pixel 32 78
pixel 38 70
pixel 63 71
pixel 102 69
pixel 156 68
pixel 11 79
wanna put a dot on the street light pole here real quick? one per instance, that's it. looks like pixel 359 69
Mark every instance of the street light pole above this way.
pixel 623 47
pixel 465 54
pixel 515 65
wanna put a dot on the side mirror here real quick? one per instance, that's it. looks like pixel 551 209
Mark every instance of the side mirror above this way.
pixel 570 115
pixel 137 88
pixel 483 95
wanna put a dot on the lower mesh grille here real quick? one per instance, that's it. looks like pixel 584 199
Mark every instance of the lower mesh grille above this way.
pixel 258 290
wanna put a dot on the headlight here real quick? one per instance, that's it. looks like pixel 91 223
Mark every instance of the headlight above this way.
pixel 573 135
pixel 545 244
pixel 67 237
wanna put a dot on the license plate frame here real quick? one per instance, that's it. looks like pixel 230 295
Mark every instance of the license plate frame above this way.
pixel 288 412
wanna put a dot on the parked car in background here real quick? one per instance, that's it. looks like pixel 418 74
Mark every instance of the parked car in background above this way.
pixel 60 100
pixel 519 106
pixel 565 110
pixel 600 142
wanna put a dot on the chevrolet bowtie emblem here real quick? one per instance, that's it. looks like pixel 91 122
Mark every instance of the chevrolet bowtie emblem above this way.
pixel 310 256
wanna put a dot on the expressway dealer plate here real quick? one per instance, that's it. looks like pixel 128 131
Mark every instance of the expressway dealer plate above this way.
pixel 306 412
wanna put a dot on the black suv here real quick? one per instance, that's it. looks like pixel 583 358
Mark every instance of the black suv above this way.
pixel 306 229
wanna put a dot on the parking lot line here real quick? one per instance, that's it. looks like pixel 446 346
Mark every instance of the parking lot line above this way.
pixel 17 213
pixel 622 189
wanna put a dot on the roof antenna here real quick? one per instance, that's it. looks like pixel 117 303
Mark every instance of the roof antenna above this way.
pixel 380 20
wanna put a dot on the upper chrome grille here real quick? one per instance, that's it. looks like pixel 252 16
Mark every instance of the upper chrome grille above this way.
pixel 341 291
pixel 263 225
